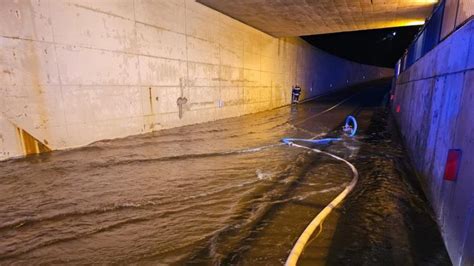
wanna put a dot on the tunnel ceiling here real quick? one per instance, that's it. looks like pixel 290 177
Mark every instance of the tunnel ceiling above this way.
pixel 307 17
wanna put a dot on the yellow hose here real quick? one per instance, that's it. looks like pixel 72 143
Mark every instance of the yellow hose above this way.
pixel 305 236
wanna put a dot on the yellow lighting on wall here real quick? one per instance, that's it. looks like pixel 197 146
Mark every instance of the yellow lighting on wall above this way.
pixel 430 2
pixel 414 22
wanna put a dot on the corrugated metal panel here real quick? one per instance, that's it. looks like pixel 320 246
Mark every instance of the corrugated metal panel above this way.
pixel 465 11
pixel 449 18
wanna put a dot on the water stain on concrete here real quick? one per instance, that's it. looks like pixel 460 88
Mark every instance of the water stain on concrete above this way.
pixel 151 100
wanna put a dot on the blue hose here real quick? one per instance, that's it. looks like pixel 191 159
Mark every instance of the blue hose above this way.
pixel 325 141
pixel 350 128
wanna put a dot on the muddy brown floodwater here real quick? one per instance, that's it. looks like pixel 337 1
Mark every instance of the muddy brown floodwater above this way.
pixel 226 192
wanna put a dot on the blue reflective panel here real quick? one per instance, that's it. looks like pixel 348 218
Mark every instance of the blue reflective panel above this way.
pixel 426 40
pixel 411 55
pixel 433 29
pixel 419 45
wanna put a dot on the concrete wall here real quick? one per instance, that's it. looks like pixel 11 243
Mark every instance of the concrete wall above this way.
pixel 76 71
pixel 10 145
pixel 435 99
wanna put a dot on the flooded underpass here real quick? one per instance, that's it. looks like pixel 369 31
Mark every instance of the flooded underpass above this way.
pixel 226 192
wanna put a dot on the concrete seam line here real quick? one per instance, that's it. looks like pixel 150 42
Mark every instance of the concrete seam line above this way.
pixel 316 222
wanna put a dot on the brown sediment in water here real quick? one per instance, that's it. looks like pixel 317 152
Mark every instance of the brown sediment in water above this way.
pixel 220 192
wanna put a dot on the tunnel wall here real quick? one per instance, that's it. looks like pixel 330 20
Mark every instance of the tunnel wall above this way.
pixel 433 104
pixel 77 71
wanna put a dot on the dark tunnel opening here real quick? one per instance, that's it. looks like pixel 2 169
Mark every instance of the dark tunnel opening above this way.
pixel 380 47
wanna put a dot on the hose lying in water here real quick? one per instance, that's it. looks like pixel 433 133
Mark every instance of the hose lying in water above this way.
pixel 349 128
pixel 317 221
pixel 289 141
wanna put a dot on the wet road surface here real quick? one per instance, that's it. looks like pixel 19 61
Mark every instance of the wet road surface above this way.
pixel 226 192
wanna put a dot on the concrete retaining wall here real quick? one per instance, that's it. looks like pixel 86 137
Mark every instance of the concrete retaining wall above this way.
pixel 76 71
pixel 433 104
